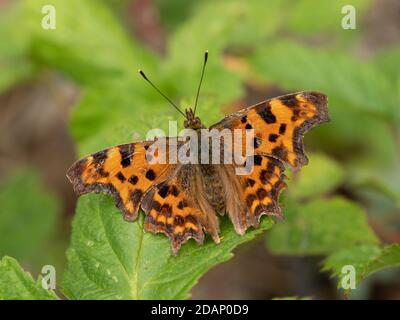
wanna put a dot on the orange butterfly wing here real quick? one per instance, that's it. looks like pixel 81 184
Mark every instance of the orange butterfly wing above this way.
pixel 172 207
pixel 279 125
pixel 164 191
pixel 261 189
pixel 122 171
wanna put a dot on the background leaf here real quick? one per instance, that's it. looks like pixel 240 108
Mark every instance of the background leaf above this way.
pixel 387 62
pixel 116 54
pixel 15 65
pixel 25 225
pixel 316 17
pixel 16 284
pixel 366 260
pixel 319 227
pixel 321 175
pixel 388 258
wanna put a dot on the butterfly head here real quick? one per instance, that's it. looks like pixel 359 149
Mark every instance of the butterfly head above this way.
pixel 192 121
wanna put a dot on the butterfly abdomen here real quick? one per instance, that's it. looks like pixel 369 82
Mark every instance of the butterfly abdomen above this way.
pixel 213 187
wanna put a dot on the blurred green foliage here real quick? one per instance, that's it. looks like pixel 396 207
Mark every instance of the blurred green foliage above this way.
pixel 366 260
pixel 320 226
pixel 290 45
pixel 324 175
pixel 28 214
pixel 19 285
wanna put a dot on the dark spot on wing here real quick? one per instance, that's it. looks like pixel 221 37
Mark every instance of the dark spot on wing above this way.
pixel 163 191
pixel 166 210
pixel 296 114
pixel 120 177
pixel 250 199
pixel 150 174
pixel 250 182
pixel 265 176
pixel 99 157
pixel 257 160
pixel 290 101
pixel 261 193
pixel 266 114
pixel 102 172
pixel 282 128
pixel 126 152
pixel 273 137
pixel 156 205
pixel 178 220
pixel 174 191
pixel 133 179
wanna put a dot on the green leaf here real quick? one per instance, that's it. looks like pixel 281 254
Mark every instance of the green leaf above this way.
pixel 357 256
pixel 319 227
pixel 214 26
pixel 388 61
pixel 388 258
pixel 320 176
pixel 28 214
pixel 112 113
pixel 383 183
pixel 365 259
pixel 110 258
pixel 315 17
pixel 16 284
pixel 174 12
pixel 14 64
pixel 75 46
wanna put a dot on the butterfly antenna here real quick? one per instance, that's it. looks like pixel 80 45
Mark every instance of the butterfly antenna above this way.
pixel 201 80
pixel 159 91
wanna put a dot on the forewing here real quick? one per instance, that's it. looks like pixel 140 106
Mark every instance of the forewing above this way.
pixel 280 123
pixel 123 171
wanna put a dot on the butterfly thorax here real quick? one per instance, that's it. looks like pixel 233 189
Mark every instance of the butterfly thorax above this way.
pixel 192 121
pixel 211 183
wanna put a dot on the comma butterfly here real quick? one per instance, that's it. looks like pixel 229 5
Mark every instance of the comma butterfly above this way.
pixel 182 200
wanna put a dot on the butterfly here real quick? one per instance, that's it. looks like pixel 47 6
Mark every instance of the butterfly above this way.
pixel 183 200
